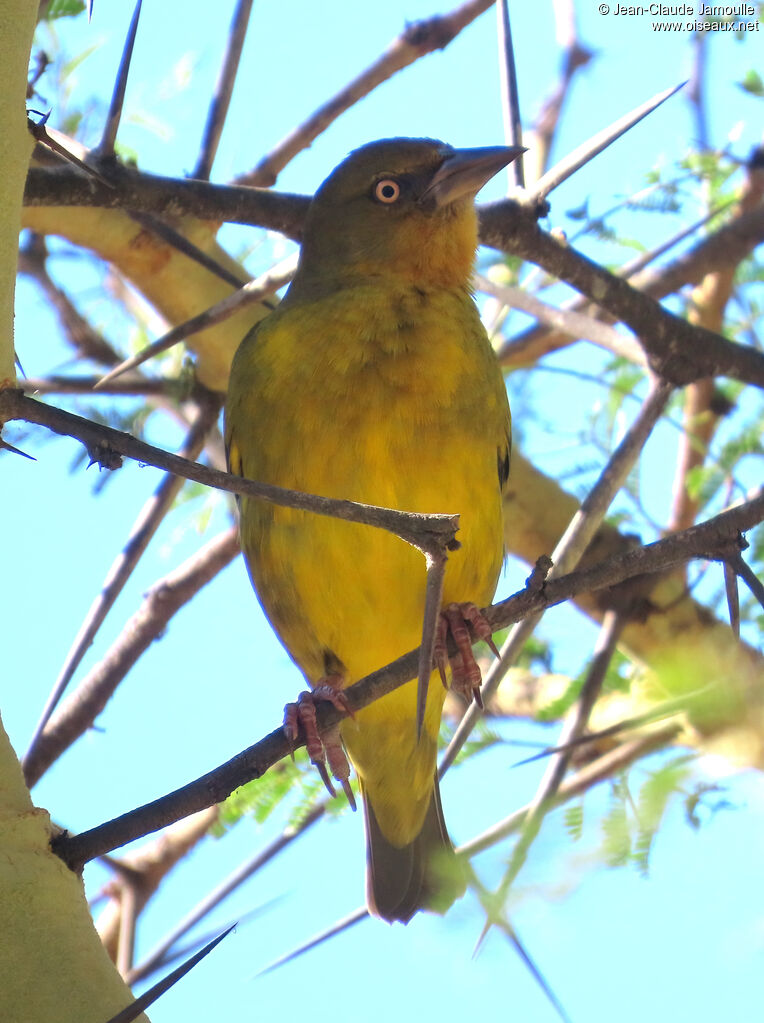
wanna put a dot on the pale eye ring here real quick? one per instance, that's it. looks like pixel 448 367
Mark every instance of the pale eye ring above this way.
pixel 387 190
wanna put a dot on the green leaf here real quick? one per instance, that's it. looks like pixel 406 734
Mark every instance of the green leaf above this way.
pixel 74 63
pixel 574 820
pixel 64 9
pixel 746 442
pixel 559 707
pixel 616 836
pixel 752 83
pixel 654 798
pixel 703 481
pixel 259 798
pixel 619 675
pixel 310 791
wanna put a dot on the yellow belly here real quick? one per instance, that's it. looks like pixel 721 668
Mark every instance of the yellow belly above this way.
pixel 413 418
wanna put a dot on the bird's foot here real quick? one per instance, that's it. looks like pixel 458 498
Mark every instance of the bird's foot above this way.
pixel 466 677
pixel 323 746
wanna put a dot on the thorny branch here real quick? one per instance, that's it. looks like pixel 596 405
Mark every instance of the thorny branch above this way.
pixel 106 446
pixel 80 709
pixel 85 340
pixel 571 546
pixel 704 406
pixel 587 777
pixel 718 538
pixel 418 39
pixel 170 197
pixel 676 349
pixel 145 869
pixel 553 776
pixel 253 291
pixel 573 55
pixel 251 865
pixel 148 521
pixel 219 104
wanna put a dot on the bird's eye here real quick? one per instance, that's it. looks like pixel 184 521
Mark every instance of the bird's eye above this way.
pixel 387 191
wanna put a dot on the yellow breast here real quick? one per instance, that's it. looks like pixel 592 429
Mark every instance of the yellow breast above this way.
pixel 391 396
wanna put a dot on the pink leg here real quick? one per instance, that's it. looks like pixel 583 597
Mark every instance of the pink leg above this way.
pixel 465 671
pixel 323 747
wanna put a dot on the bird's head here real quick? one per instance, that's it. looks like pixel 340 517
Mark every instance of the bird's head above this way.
pixel 398 208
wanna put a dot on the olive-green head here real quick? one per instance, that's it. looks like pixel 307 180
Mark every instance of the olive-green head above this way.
pixel 398 208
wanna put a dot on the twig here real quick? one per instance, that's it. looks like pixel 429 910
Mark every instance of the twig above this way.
pixel 745 572
pixel 148 220
pixel 41 62
pixel 223 89
pixel 702 405
pixel 530 345
pixel 105 148
pixel 145 526
pixel 87 342
pixel 700 418
pixel 165 598
pixel 510 94
pixel 574 56
pixel 718 538
pixel 696 87
pixel 666 709
pixel 179 241
pixel 428 533
pixel 638 263
pixel 417 39
pixel 146 868
pixel 129 386
pixel 729 244
pixel 573 324
pixel 610 633
pixel 592 147
pixel 544 799
pixel 668 340
pixel 254 291
pixel 128 920
pixel 675 349
pixel 242 873
pixel 599 770
pixel 171 197
pixel 570 547
pixel 136 1008
pixel 504 225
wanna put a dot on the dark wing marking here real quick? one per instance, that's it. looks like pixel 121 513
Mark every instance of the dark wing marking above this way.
pixel 333 665
pixel 502 462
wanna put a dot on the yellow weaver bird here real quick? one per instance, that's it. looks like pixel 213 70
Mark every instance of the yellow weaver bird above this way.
pixel 374 381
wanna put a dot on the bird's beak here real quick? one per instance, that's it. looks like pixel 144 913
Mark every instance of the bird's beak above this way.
pixel 465 172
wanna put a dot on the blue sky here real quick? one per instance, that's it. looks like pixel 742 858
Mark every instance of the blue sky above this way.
pixel 685 943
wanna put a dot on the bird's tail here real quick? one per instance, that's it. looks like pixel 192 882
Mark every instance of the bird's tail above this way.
pixel 424 874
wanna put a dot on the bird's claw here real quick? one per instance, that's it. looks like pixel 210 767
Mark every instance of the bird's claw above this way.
pixel 324 747
pixel 466 677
